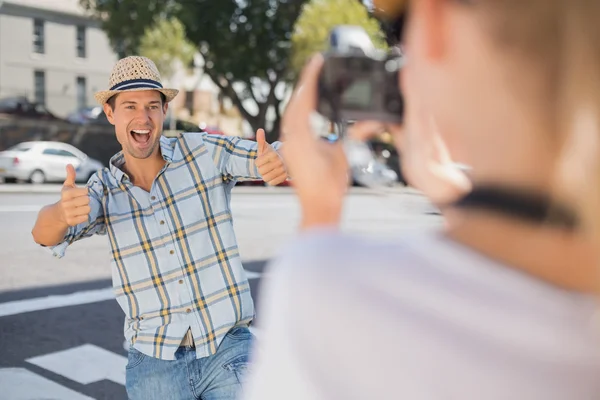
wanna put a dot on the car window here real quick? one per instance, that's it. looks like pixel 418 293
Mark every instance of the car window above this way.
pixel 9 104
pixel 50 152
pixel 41 109
pixel 181 125
pixel 186 126
pixel 65 153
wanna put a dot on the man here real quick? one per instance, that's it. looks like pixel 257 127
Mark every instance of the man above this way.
pixel 177 273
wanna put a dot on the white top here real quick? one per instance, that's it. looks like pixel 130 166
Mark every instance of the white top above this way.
pixel 419 318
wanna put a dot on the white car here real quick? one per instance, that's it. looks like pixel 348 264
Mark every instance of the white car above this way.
pixel 40 162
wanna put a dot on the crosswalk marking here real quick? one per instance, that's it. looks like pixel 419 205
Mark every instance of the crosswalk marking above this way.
pixel 20 208
pixel 72 299
pixel 84 364
pixel 21 384
pixel 49 302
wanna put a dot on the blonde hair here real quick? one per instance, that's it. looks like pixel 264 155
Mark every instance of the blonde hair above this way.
pixel 562 39
pixel 581 111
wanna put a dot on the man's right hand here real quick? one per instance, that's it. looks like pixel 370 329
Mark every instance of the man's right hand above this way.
pixel 74 201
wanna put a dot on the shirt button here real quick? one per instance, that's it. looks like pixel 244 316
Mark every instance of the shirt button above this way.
pixel 162 222
pixel 172 252
pixel 153 198
pixel 189 310
pixel 181 281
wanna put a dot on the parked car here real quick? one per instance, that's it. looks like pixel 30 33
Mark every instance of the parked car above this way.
pixel 212 130
pixel 89 116
pixel 376 173
pixel 40 162
pixel 180 126
pixel 21 107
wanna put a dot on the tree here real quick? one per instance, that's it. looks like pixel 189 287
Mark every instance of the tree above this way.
pixel 165 43
pixel 311 32
pixel 245 44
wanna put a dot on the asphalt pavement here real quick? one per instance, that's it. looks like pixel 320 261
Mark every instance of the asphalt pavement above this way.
pixel 61 331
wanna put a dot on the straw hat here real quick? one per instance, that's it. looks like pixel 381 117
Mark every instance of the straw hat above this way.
pixel 134 74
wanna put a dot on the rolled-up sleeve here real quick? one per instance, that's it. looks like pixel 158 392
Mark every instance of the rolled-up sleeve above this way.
pixel 235 157
pixel 95 225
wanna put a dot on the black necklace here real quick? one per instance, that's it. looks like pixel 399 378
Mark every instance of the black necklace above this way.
pixel 529 206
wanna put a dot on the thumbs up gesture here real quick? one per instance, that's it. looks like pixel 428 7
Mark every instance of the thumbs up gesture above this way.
pixel 74 201
pixel 269 163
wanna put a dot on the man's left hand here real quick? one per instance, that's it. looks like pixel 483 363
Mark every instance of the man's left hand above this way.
pixel 269 163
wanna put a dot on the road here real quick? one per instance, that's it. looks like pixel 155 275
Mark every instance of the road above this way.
pixel 61 332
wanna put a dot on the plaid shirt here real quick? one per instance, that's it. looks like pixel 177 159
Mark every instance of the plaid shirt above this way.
pixel 175 260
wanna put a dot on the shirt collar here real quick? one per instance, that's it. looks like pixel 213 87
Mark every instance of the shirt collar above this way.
pixel 167 148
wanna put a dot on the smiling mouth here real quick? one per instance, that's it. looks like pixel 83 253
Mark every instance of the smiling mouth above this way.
pixel 141 136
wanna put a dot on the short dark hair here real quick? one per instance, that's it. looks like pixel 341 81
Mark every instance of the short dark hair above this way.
pixel 111 101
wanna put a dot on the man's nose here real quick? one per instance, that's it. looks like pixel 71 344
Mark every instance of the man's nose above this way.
pixel 143 114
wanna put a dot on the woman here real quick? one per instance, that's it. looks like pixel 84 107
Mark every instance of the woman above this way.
pixel 501 304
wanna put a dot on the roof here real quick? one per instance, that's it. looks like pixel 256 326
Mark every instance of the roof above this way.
pixel 60 6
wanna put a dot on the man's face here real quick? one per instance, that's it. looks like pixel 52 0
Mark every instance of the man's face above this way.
pixel 138 119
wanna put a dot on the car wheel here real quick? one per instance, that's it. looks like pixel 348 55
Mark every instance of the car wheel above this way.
pixel 37 177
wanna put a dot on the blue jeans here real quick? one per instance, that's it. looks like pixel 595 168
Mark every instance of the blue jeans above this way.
pixel 218 377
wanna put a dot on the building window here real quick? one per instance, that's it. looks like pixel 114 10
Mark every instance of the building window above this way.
pixel 81 42
pixel 38 36
pixel 39 79
pixel 81 93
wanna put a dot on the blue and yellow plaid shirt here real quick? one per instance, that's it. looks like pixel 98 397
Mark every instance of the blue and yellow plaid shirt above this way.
pixel 175 260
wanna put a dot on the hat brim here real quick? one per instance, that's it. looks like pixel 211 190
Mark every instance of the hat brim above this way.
pixel 103 96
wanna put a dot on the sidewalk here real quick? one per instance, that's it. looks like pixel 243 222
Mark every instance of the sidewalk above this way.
pixel 55 188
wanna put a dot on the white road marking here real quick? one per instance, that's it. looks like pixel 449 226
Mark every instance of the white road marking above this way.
pixel 67 300
pixel 84 364
pixel 236 206
pixel 20 384
pixel 49 302
pixel 16 208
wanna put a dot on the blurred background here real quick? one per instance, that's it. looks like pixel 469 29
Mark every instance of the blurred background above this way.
pixel 235 63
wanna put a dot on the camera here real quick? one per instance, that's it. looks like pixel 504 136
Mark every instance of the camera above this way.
pixel 359 82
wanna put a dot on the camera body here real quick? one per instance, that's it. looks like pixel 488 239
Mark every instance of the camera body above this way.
pixel 359 82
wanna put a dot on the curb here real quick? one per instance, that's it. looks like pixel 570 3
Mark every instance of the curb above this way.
pixel 22 188
pixel 54 189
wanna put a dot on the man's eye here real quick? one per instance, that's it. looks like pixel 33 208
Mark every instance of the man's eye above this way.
pixel 130 107
pixel 154 107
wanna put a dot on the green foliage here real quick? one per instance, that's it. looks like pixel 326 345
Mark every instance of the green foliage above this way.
pixel 318 17
pixel 166 42
pixel 126 21
pixel 246 44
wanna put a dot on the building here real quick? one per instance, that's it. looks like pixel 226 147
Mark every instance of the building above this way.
pixel 201 102
pixel 55 54
pixel 52 52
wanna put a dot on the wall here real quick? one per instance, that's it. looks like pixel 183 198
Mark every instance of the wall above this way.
pixel 60 62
